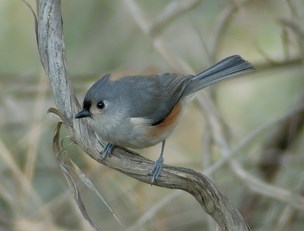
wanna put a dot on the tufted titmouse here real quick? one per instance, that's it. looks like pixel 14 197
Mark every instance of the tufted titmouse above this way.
pixel 141 111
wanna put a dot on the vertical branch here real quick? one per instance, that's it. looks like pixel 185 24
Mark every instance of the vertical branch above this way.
pixel 52 55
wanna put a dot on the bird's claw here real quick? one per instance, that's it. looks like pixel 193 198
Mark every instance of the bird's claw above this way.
pixel 158 166
pixel 107 150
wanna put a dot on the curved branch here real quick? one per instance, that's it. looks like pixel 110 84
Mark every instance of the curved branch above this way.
pixel 51 50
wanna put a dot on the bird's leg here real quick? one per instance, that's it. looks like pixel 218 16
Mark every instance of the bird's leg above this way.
pixel 107 150
pixel 158 166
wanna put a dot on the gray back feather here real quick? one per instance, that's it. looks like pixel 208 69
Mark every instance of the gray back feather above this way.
pixel 153 97
pixel 149 97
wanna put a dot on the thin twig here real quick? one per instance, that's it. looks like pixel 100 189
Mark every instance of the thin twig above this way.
pixel 158 43
pixel 255 184
pixel 174 9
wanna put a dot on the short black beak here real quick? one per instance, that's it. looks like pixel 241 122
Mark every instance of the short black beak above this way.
pixel 83 113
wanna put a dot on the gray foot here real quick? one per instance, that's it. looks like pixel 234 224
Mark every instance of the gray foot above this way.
pixel 107 150
pixel 158 166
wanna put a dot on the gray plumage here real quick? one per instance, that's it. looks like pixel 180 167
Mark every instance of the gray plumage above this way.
pixel 153 97
pixel 135 111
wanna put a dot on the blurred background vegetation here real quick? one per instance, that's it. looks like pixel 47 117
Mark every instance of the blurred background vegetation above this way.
pixel 104 36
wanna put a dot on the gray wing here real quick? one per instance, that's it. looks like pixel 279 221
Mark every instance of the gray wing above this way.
pixel 155 96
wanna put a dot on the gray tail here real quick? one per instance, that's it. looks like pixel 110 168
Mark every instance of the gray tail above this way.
pixel 225 68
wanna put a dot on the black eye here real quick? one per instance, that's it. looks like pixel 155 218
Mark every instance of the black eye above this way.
pixel 100 105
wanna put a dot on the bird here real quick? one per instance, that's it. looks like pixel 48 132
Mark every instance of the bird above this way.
pixel 141 111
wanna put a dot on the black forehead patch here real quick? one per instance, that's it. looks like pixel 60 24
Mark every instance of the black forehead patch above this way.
pixel 87 104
